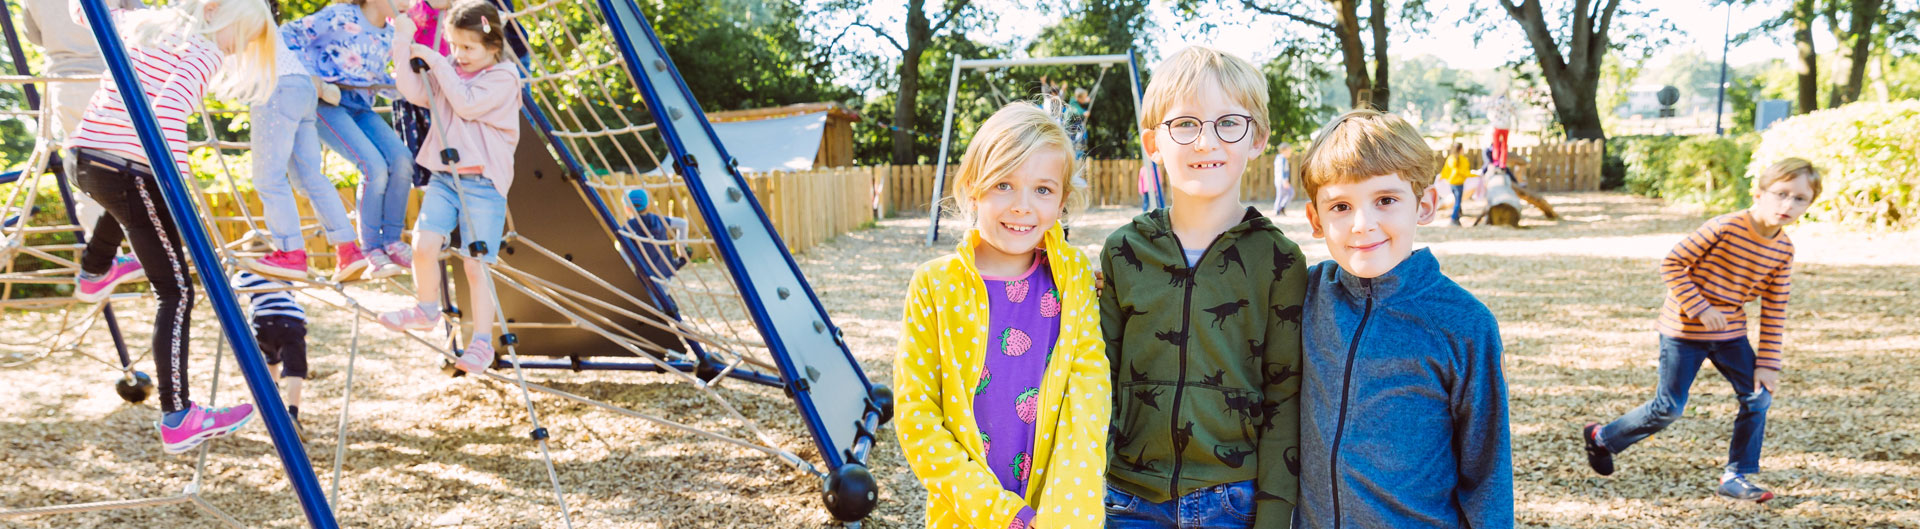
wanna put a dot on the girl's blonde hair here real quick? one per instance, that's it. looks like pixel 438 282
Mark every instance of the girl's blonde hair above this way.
pixel 1005 142
pixel 246 74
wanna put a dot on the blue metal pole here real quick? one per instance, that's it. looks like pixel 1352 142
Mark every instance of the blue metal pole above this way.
pixel 293 455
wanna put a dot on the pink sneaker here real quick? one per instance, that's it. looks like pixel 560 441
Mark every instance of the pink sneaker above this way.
pixel 409 319
pixel 401 254
pixel 477 359
pixel 379 266
pixel 348 261
pixel 287 265
pixel 202 424
pixel 94 290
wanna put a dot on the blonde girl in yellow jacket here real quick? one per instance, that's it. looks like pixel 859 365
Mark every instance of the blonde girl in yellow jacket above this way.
pixel 1002 396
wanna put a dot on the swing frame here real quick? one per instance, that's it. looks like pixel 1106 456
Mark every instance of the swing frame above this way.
pixel 953 89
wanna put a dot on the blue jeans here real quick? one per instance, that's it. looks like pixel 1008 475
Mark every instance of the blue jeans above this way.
pixel 1457 190
pixel 479 210
pixel 1225 506
pixel 286 153
pixel 1679 362
pixel 352 129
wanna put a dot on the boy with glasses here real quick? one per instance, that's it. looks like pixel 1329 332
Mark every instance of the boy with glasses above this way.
pixel 1710 277
pixel 1201 315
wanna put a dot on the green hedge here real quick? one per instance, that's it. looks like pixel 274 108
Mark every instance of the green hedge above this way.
pixel 1707 171
pixel 1868 155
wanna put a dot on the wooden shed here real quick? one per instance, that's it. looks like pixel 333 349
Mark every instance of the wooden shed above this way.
pixel 835 146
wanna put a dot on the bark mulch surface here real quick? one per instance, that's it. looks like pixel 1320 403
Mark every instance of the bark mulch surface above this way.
pixel 1576 300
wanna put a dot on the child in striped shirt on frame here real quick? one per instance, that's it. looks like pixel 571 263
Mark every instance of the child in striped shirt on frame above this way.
pixel 280 325
pixel 1710 277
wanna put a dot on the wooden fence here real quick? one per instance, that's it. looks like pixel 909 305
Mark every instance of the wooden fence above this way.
pixel 810 207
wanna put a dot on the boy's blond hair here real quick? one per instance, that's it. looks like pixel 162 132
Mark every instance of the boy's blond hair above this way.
pixel 1005 142
pixel 1362 144
pixel 1787 169
pixel 1181 74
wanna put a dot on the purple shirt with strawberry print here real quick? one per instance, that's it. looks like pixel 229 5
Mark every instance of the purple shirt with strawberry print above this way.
pixel 1023 318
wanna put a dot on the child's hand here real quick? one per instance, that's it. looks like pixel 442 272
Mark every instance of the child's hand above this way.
pixel 422 50
pixel 1713 318
pixel 403 25
pixel 1767 379
pixel 329 92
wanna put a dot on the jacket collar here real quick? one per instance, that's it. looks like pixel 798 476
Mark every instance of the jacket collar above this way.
pixel 1158 224
pixel 1406 279
pixel 1056 237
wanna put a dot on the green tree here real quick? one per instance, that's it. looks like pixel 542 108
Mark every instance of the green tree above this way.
pixel 920 30
pixel 1570 40
pixel 1341 19
pixel 1097 27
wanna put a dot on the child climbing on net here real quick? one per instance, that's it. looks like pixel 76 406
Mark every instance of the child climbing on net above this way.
pixel 474 96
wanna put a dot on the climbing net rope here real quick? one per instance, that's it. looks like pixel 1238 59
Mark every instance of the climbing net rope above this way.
pixel 579 82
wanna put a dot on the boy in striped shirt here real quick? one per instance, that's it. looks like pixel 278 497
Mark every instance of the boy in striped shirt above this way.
pixel 1710 277
pixel 280 325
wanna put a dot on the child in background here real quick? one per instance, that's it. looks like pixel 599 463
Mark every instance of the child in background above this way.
pixel 658 236
pixel 1710 277
pixel 1282 179
pixel 410 120
pixel 1201 317
pixel 1404 423
pixel 1456 171
pixel 1001 435
pixel 286 153
pixel 347 45
pixel 280 325
pixel 475 96
pixel 179 53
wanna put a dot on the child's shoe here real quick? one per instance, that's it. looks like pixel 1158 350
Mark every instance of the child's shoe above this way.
pixel 477 359
pixel 348 261
pixel 286 265
pixel 379 266
pixel 95 289
pixel 1738 488
pixel 293 412
pixel 1598 456
pixel 202 424
pixel 409 319
pixel 401 254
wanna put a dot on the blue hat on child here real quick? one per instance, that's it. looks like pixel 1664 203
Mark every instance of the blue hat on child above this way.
pixel 639 199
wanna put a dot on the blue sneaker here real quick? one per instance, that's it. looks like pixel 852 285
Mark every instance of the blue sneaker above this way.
pixel 1738 488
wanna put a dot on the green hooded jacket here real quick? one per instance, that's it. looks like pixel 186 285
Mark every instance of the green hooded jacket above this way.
pixel 1206 362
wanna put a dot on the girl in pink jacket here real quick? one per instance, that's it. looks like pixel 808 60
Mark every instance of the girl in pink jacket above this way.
pixel 474 96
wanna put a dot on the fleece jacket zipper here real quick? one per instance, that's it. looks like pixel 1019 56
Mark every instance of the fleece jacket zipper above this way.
pixel 1346 388
pixel 1186 335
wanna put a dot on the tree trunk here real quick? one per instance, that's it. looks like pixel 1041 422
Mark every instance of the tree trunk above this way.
pixel 1856 47
pixel 919 36
pixel 1381 88
pixel 1573 80
pixel 1353 53
pixel 1808 62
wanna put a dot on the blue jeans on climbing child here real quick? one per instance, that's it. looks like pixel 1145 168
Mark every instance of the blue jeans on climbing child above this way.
pixel 286 154
pixel 1680 361
pixel 1224 506
pixel 352 129
pixel 479 210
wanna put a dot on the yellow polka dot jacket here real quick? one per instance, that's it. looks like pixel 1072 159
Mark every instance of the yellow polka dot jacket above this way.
pixel 943 348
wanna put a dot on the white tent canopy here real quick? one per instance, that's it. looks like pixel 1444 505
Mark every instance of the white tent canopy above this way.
pixel 789 143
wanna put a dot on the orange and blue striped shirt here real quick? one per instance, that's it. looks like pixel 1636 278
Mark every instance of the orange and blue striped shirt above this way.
pixel 1726 264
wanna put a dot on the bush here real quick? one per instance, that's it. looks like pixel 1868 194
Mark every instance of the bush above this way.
pixel 1868 155
pixel 1707 171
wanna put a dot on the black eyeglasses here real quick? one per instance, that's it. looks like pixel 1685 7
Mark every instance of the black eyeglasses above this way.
pixel 1230 128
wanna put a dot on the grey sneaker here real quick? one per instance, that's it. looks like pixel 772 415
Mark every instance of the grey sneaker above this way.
pixel 1738 488
pixel 380 267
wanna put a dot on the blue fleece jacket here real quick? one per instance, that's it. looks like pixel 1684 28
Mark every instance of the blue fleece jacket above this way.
pixel 1404 421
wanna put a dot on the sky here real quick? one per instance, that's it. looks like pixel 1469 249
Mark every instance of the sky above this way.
pixel 1254 39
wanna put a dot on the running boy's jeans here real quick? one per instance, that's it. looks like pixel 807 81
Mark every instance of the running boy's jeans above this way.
pixel 1224 506
pixel 1679 362
pixel 127 190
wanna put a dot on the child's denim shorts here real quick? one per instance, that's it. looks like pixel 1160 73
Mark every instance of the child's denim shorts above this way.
pixel 484 218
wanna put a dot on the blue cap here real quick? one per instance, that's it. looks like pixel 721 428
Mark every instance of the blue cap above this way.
pixel 639 199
